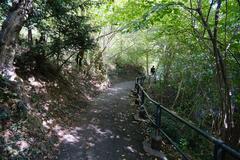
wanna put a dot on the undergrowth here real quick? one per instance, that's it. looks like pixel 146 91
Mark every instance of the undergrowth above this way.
pixel 43 102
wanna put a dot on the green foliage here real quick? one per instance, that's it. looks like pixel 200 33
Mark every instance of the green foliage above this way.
pixel 6 90
pixel 183 143
pixel 182 53
pixel 4 7
pixel 172 36
pixel 61 29
pixel 191 143
pixel 4 115
pixel 169 34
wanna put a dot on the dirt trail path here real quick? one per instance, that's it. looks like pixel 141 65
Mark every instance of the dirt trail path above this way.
pixel 107 130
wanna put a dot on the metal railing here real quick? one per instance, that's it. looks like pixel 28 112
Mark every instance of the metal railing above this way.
pixel 220 148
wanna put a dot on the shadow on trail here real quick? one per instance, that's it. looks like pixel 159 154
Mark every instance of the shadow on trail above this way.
pixel 106 130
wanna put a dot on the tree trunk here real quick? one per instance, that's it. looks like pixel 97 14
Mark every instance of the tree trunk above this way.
pixel 11 27
pixel 147 62
pixel 30 37
pixel 229 124
pixel 168 58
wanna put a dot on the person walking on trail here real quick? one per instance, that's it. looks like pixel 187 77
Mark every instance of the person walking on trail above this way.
pixel 153 73
pixel 153 70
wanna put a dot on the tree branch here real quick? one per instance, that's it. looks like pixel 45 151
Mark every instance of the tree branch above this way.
pixel 107 34
pixel 209 10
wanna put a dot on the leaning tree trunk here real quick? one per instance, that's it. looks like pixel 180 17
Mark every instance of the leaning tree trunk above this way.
pixel 11 27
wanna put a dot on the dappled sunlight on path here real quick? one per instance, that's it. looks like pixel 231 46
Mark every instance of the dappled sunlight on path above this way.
pixel 105 131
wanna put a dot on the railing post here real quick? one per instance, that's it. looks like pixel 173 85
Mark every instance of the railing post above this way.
pixel 149 79
pixel 136 83
pixel 155 78
pixel 158 119
pixel 156 139
pixel 142 113
pixel 142 79
pixel 142 97
pixel 218 151
pixel 137 86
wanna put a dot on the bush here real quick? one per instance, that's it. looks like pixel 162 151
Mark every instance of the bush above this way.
pixel 33 64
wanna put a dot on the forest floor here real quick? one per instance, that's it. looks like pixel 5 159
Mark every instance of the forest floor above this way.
pixel 106 129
